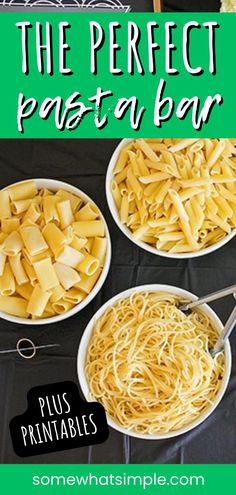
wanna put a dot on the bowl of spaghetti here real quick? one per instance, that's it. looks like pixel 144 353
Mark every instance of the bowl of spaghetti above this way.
pixel 174 197
pixel 55 251
pixel 149 364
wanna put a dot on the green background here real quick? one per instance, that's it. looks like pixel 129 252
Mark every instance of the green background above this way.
pixel 219 479
pixel 221 123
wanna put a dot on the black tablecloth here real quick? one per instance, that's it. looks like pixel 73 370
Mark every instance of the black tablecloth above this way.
pixel 83 163
pixel 136 5
pixel 191 5
pixel 176 5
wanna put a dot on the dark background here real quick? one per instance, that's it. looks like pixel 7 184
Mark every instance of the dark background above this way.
pixel 137 5
pixel 176 5
pixel 83 163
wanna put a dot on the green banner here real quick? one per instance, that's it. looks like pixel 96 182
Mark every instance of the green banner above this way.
pixel 114 75
pixel 118 479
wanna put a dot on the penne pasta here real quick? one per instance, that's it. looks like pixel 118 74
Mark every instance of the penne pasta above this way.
pixel 178 205
pixel 182 144
pixel 162 191
pixel 224 208
pixel 192 218
pixel 122 159
pixel 228 195
pixel 140 232
pixel 188 191
pixel 116 193
pixel 124 209
pixel 157 177
pixel 134 184
pixel 220 222
pixel 216 153
pixel 216 179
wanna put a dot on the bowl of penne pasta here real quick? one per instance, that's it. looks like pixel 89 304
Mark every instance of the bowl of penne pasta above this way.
pixel 174 197
pixel 149 363
pixel 55 251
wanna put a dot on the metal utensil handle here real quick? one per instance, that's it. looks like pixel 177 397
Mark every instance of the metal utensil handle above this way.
pixel 210 297
pixel 229 326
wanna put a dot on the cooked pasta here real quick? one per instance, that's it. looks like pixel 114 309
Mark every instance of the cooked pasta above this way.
pixel 49 243
pixel 186 184
pixel 149 364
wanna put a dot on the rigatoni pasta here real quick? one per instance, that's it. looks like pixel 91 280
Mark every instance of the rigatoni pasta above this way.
pixel 7 282
pixel 52 250
pixel 38 301
pixel 177 195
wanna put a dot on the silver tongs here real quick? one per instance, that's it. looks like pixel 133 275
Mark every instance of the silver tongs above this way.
pixel 231 322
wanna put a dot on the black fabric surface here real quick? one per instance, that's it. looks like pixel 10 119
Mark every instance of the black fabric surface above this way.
pixel 141 5
pixel 191 5
pixel 175 5
pixel 83 163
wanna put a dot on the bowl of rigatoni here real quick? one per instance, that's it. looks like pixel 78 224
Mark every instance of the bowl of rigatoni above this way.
pixel 55 251
pixel 174 197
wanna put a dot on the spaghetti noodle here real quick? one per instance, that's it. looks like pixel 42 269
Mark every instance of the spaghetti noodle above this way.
pixel 149 364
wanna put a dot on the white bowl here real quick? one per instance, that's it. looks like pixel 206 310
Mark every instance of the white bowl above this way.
pixel 82 352
pixel 128 233
pixel 55 185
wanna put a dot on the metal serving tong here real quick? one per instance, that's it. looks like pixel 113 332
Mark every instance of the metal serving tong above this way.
pixel 231 322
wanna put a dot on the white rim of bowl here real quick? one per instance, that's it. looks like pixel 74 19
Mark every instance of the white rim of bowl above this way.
pixel 84 343
pixel 126 230
pixel 55 185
